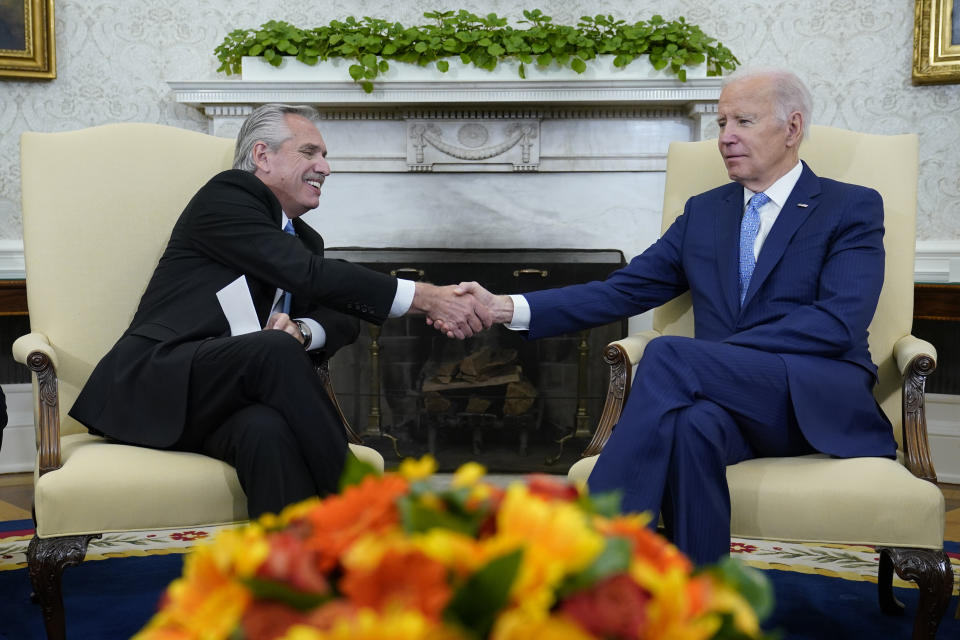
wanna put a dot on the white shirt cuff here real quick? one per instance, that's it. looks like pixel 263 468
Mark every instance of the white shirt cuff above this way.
pixel 403 298
pixel 521 313
pixel 319 337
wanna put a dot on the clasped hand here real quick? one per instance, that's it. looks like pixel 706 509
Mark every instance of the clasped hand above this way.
pixel 463 310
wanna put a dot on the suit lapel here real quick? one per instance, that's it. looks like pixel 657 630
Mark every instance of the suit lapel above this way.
pixel 727 244
pixel 798 207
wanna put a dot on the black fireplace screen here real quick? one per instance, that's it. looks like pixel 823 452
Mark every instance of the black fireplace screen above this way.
pixel 514 405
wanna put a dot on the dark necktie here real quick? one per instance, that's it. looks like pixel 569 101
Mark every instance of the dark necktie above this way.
pixel 287 296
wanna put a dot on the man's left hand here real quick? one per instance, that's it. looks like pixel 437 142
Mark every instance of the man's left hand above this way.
pixel 283 322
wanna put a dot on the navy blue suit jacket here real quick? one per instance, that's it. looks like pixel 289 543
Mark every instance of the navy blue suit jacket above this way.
pixel 810 300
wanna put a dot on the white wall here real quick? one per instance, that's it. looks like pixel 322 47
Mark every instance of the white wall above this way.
pixel 114 59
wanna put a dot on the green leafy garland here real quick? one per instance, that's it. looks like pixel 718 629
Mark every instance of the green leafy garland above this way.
pixel 482 41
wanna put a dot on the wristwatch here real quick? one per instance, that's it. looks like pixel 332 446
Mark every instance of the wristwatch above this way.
pixel 305 332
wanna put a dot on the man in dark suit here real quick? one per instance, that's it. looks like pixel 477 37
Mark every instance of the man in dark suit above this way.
pixel 785 271
pixel 178 379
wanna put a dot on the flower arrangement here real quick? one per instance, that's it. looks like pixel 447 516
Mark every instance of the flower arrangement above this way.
pixel 394 557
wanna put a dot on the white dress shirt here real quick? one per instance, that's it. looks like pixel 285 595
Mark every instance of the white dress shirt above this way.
pixel 778 193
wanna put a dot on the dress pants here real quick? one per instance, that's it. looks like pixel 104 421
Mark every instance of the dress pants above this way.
pixel 696 407
pixel 256 403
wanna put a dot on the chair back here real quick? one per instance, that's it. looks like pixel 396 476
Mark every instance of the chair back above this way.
pixel 98 207
pixel 886 163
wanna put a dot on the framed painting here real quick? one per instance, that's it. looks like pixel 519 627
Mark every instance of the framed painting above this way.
pixel 936 41
pixel 27 44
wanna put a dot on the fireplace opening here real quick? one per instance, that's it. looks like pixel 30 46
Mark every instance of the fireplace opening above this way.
pixel 514 405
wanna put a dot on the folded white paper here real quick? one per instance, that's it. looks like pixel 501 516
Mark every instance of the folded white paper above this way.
pixel 237 305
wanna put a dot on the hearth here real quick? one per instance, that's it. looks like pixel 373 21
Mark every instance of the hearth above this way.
pixel 515 405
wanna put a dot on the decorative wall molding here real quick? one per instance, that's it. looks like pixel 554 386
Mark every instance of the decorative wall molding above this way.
pixel 11 260
pixel 935 260
pixel 19 440
pixel 468 145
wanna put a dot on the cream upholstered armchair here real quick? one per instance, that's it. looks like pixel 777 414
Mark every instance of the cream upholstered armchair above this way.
pixel 98 207
pixel 893 505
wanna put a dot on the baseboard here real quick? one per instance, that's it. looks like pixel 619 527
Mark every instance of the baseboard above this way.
pixel 943 429
pixel 19 448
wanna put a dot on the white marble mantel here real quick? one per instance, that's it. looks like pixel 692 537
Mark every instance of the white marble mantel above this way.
pixel 499 163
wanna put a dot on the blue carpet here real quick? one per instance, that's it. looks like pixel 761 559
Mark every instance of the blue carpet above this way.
pixel 109 599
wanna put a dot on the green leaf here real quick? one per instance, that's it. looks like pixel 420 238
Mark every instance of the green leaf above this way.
pixel 280 592
pixel 367 86
pixel 752 584
pixel 356 72
pixel 475 605
pixel 416 518
pixel 544 59
pixel 355 469
pixel 578 65
pixel 615 558
pixel 369 60
pixel 443 66
pixel 495 50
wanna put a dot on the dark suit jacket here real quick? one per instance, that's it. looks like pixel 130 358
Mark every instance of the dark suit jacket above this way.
pixel 138 392
pixel 811 298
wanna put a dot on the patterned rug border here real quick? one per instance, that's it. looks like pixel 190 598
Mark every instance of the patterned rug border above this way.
pixel 847 562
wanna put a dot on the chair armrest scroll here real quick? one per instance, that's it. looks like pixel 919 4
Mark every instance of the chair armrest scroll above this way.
pixel 621 355
pixel 35 351
pixel 916 360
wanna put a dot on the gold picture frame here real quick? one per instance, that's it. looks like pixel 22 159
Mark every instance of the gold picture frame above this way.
pixel 27 44
pixel 936 43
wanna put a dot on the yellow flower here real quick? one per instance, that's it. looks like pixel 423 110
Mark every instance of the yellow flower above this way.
pixel 418 469
pixel 517 624
pixel 557 541
pixel 368 625
pixel 723 598
pixel 454 550
pixel 468 475
pixel 205 603
pixel 240 551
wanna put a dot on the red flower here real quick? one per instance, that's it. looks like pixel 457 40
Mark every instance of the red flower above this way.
pixel 612 608
pixel 290 562
pixel 540 484
pixel 189 536
pixel 739 547
pixel 267 619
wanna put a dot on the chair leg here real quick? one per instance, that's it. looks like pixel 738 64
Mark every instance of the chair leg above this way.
pixel 930 570
pixel 46 559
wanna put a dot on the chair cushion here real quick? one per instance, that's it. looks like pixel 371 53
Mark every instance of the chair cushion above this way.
pixel 815 498
pixel 158 490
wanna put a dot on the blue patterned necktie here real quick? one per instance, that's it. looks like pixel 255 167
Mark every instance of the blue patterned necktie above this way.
pixel 749 226
pixel 287 296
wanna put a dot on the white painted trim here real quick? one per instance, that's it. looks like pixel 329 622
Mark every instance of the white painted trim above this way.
pixel 943 429
pixel 937 261
pixel 19 440
pixel 11 259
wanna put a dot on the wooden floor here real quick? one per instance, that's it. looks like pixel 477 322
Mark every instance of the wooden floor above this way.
pixel 16 495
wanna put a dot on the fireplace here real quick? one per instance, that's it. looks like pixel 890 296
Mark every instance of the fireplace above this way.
pixel 571 163
pixel 511 404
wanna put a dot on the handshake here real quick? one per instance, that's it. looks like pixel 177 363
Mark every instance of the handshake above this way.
pixel 462 310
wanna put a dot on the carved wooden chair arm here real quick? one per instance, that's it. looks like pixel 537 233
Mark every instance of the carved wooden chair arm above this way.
pixel 35 351
pixel 621 355
pixel 916 360
pixel 322 367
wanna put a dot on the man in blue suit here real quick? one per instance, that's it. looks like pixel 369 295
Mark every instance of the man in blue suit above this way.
pixel 785 269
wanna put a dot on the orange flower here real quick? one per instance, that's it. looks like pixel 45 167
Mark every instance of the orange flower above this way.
pixel 402 579
pixel 647 545
pixel 365 508
pixel 613 608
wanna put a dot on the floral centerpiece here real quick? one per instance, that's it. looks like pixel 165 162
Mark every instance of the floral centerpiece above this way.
pixel 395 557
